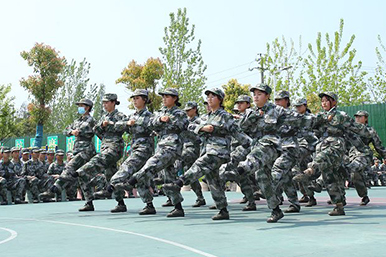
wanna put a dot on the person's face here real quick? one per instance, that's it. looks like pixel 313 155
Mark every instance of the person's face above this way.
pixel 6 156
pixel 169 100
pixel 242 106
pixel 384 161
pixel 260 98
pixel 60 158
pixel 109 106
pixel 282 102
pixel 138 102
pixel 69 157
pixel 213 101
pixel 326 104
pixel 191 113
pixel 15 154
pixel 50 157
pixel 301 109
pixel 360 119
pixel 35 155
pixel 25 156
pixel 42 156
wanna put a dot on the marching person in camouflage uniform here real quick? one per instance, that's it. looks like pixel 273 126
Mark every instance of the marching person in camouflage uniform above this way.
pixel 8 179
pixel 331 126
pixel 359 166
pixel 83 151
pixel 265 121
pixel 112 146
pixel 191 149
pixel 141 149
pixel 33 171
pixel 239 153
pixel 55 170
pixel 217 131
pixel 168 123
pixel 382 176
pixel 307 143
pixel 290 155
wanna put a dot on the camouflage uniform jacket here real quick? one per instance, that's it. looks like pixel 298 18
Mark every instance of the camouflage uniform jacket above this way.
pixel 83 142
pixel 33 168
pixel 56 168
pixel 7 170
pixel 190 139
pixel 111 135
pixel 18 167
pixel 333 124
pixel 141 130
pixel 218 142
pixel 377 143
pixel 263 123
pixel 306 136
pixel 289 124
pixel 169 133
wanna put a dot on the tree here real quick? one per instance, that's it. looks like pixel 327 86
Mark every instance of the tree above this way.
pixel 137 76
pixel 183 67
pixel 24 124
pixel 330 68
pixel 43 85
pixel 76 86
pixel 7 113
pixel 377 83
pixel 281 62
pixel 233 89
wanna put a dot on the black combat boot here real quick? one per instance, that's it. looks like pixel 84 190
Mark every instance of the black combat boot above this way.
pixel 199 202
pixel 222 215
pixel 276 215
pixel 311 202
pixel 250 207
pixel 365 201
pixel 121 207
pixel 148 210
pixel 293 208
pixel 89 206
pixel 338 210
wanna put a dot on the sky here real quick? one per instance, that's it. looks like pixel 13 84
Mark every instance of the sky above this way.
pixel 109 34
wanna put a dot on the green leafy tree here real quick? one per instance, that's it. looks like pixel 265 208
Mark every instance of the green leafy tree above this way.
pixel 233 89
pixel 183 67
pixel 137 76
pixel 43 85
pixel 7 113
pixel 24 124
pixel 377 83
pixel 328 67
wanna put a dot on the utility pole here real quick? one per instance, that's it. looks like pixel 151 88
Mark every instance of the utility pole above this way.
pixel 261 68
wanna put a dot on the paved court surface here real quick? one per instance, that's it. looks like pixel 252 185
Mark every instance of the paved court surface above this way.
pixel 58 229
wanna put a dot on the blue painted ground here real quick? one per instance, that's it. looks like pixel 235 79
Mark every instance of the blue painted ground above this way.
pixel 58 229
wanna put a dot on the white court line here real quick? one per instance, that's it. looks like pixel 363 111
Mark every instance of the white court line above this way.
pixel 13 235
pixel 185 247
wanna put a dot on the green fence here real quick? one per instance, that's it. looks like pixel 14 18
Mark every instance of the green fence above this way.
pixel 377 118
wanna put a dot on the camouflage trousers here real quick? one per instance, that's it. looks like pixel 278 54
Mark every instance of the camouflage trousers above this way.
pixel 260 161
pixel 37 186
pixel 15 185
pixel 357 167
pixel 131 165
pixel 161 162
pixel 104 162
pixel 66 180
pixel 282 174
pixel 328 158
pixel 304 159
pixel 189 156
pixel 207 165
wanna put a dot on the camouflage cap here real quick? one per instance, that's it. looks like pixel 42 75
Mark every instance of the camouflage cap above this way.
pixel 35 150
pixel 50 152
pixel 282 94
pixel 15 149
pixel 169 91
pixel 25 151
pixel 330 94
pixel 140 92
pixel 243 98
pixel 111 97
pixel 5 149
pixel 42 151
pixel 59 152
pixel 300 102
pixel 86 102
pixel 216 91
pixel 190 105
pixel 261 87
pixel 362 113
